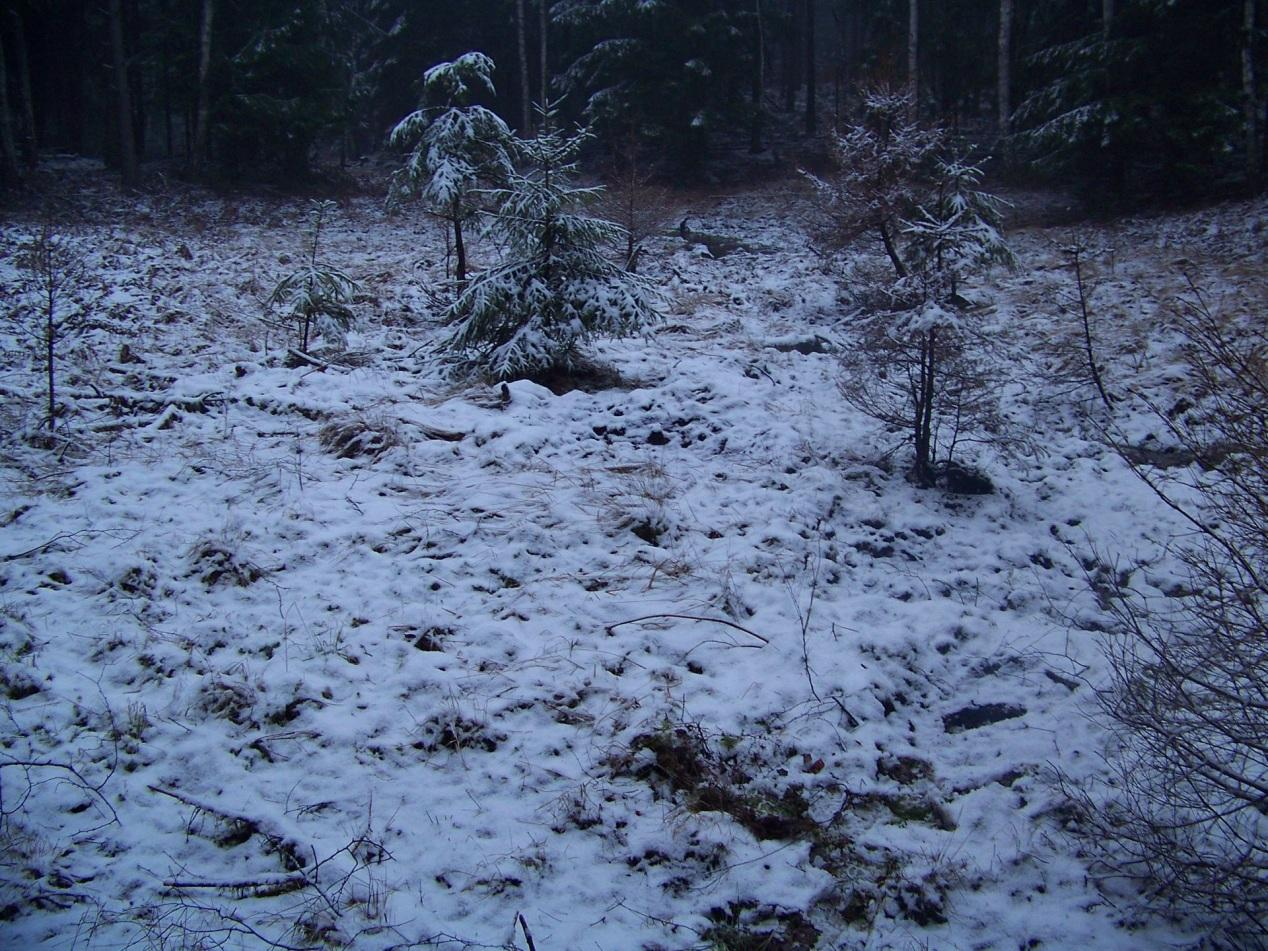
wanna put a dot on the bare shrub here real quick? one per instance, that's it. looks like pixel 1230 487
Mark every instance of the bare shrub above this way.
pixel 1186 814
pixel 635 201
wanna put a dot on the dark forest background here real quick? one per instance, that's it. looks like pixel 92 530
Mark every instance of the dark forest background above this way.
pixel 1134 100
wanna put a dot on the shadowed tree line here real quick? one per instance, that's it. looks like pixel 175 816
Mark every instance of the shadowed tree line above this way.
pixel 1128 98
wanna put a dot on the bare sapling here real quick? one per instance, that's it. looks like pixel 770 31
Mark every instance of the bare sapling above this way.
pixel 49 315
pixel 634 201
pixel 1076 253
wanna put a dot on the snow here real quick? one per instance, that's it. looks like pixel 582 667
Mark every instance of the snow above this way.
pixel 450 678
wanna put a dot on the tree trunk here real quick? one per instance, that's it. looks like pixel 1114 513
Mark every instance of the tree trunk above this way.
pixel 840 59
pixel 811 106
pixel 543 28
pixel 28 141
pixel 1005 72
pixel 9 168
pixel 791 56
pixel 758 88
pixel 1254 157
pixel 924 409
pixel 127 144
pixel 166 81
pixel 526 94
pixel 50 356
pixel 134 26
pixel 198 153
pixel 460 249
pixel 1116 158
pixel 913 56
pixel 899 268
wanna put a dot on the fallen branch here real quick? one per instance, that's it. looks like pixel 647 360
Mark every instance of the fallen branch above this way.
pixel 258 882
pixel 122 536
pixel 250 822
pixel 297 358
pixel 688 617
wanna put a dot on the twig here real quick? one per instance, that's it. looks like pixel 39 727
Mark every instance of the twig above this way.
pixel 1075 253
pixel 528 935
pixel 64 535
pixel 236 924
pixel 805 616
pixel 80 781
pixel 39 548
pixel 688 617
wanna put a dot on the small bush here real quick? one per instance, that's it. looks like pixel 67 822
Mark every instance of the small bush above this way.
pixel 1186 814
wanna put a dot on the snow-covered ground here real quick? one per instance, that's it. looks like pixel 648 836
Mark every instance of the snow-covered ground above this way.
pixel 356 656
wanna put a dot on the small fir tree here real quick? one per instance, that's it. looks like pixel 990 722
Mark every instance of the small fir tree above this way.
pixel 314 298
pixel 456 148
pixel 881 171
pixel 915 368
pixel 554 289
pixel 956 230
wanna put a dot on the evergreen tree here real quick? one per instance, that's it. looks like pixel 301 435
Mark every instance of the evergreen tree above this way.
pixel 284 92
pixel 882 168
pixel 457 147
pixel 914 368
pixel 1145 95
pixel 676 72
pixel 314 298
pixel 555 289
pixel 956 230
pixel 47 310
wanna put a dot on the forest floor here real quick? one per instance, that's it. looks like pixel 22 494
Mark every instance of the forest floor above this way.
pixel 352 655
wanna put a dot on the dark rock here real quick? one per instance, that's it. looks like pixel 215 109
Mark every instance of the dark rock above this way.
pixel 904 770
pixel 657 438
pixel 648 532
pixel 979 715
pixel 964 480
